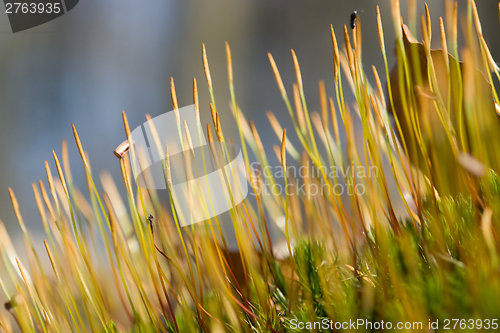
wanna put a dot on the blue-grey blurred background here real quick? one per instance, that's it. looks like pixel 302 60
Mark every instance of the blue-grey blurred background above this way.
pixel 105 56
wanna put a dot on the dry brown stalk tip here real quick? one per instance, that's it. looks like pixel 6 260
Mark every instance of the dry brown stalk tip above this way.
pixel 122 149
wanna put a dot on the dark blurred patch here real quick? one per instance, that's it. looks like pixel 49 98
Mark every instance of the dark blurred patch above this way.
pixel 24 15
pixel 354 16
pixel 70 4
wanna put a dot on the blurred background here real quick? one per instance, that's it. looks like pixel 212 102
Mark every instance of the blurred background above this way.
pixel 103 57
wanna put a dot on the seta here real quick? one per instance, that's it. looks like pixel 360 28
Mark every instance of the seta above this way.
pixel 354 16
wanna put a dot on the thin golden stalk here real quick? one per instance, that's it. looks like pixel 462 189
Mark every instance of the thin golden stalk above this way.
pixel 336 57
pixel 207 74
pixel 64 294
pixel 304 105
pixel 287 222
pixel 173 94
pixel 429 24
pixel 335 121
pixel 298 108
pixel 34 298
pixel 278 130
